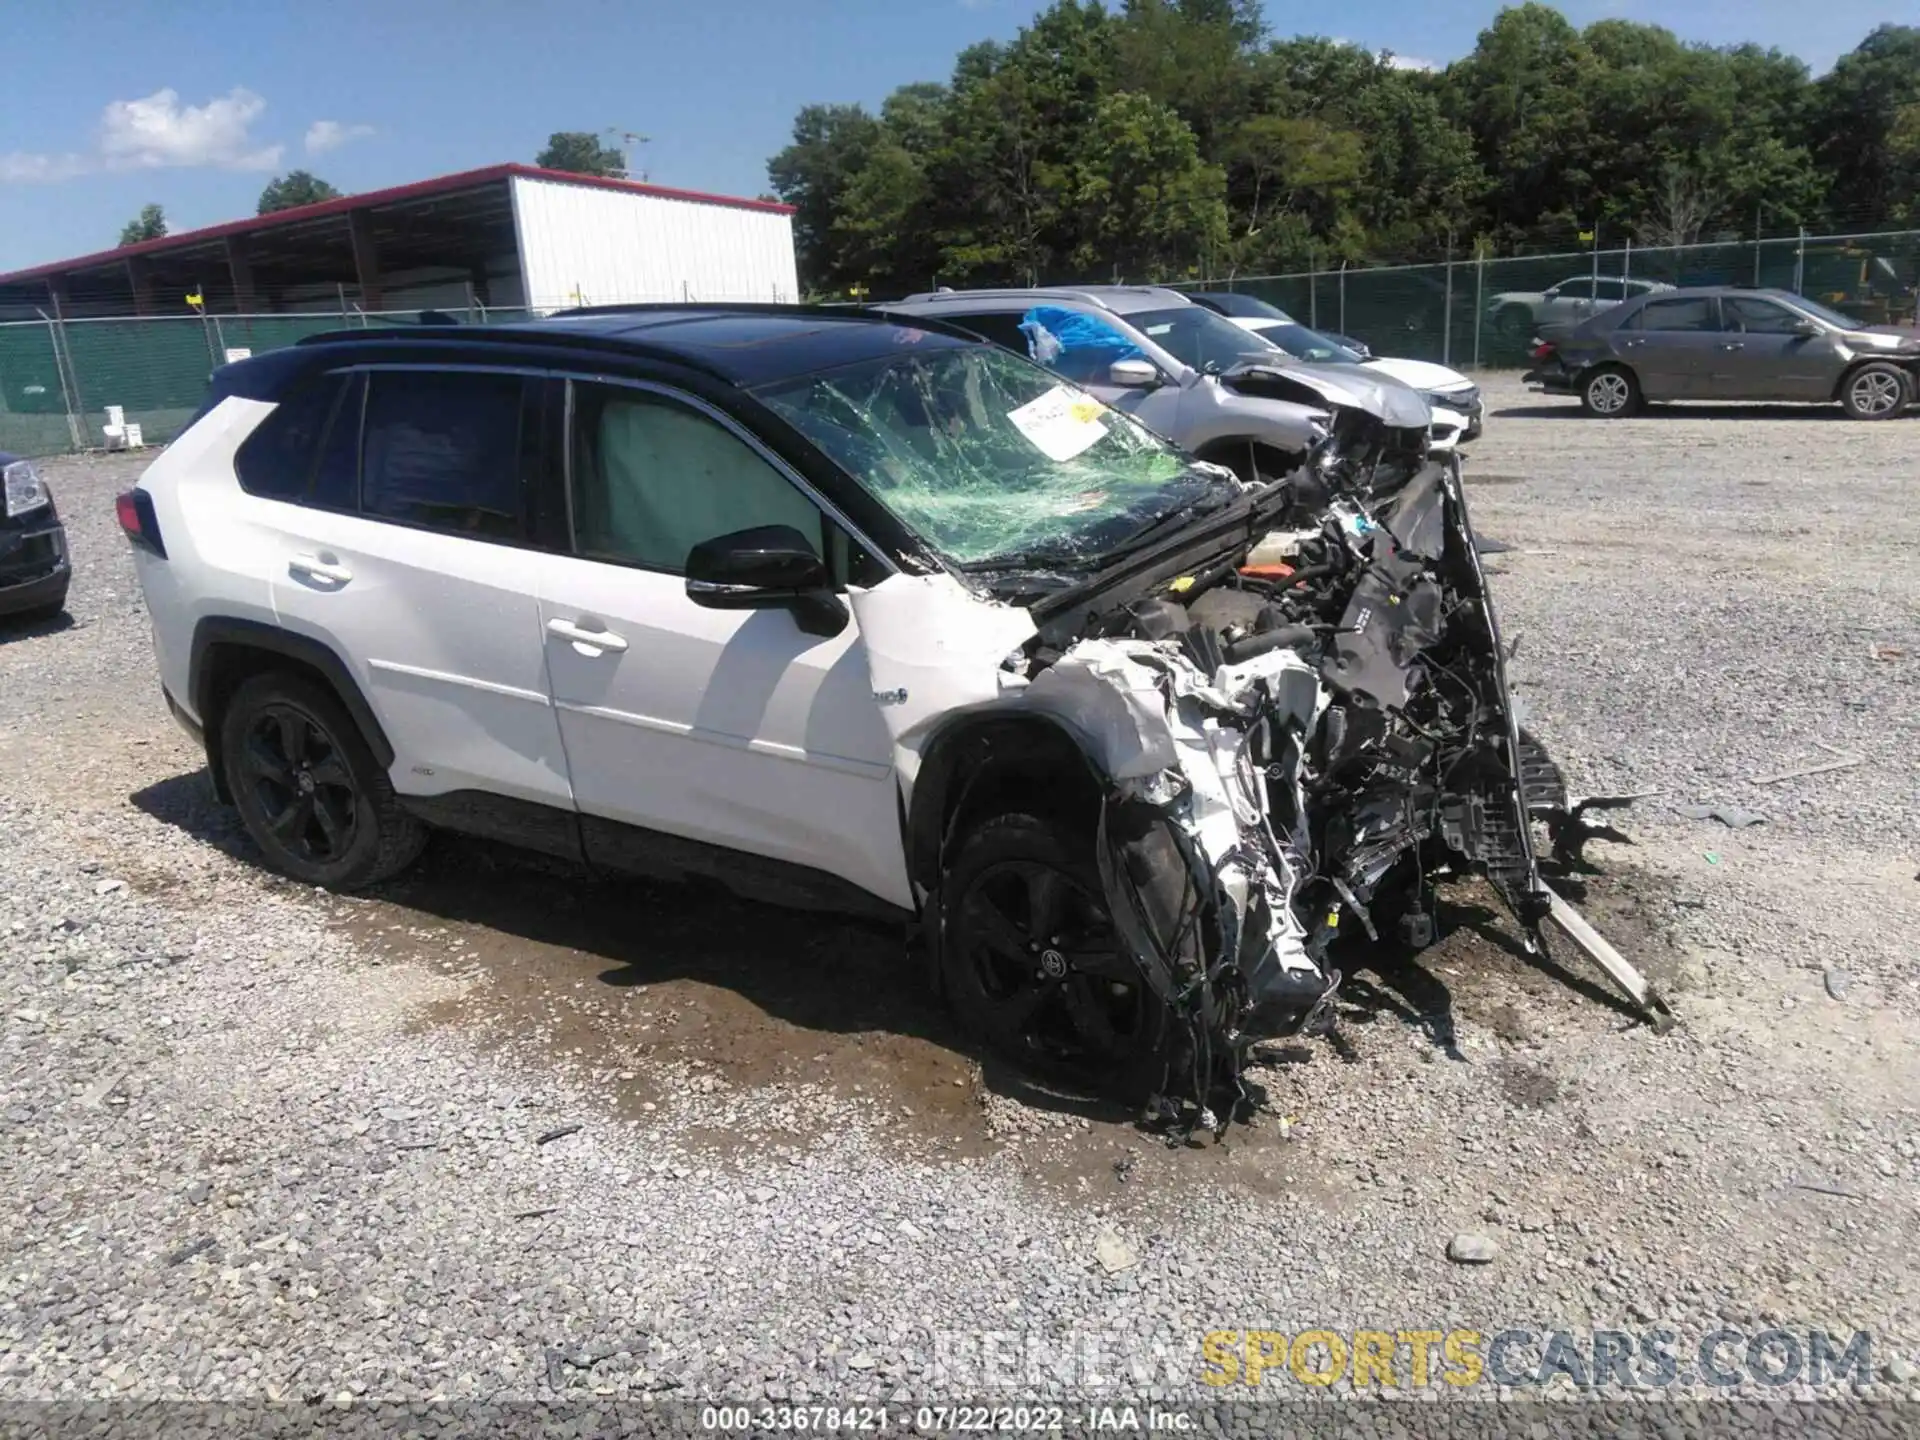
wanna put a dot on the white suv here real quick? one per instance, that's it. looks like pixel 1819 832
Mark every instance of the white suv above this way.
pixel 854 612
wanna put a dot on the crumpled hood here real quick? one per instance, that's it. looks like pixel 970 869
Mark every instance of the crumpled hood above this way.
pixel 1381 396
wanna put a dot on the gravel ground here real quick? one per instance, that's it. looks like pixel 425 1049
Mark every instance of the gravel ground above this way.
pixel 505 1131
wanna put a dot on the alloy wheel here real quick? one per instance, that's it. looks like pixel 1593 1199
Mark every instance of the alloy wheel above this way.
pixel 301 781
pixel 1609 393
pixel 1875 392
pixel 1044 955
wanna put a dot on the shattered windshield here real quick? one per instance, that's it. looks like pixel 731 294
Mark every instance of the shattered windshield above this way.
pixel 989 457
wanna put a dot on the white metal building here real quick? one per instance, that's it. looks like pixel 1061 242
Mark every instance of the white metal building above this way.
pixel 508 236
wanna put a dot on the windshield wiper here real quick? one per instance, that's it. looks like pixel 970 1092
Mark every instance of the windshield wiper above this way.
pixel 1173 519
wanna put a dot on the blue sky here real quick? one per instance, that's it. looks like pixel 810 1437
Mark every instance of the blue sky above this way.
pixel 111 104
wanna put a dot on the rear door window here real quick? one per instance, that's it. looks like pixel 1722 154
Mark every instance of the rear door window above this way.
pixel 1002 328
pixel 443 450
pixel 1693 312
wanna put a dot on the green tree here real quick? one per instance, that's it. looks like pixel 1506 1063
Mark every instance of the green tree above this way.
pixel 1151 208
pixel 1860 113
pixel 582 154
pixel 831 144
pixel 151 224
pixel 1525 94
pixel 290 191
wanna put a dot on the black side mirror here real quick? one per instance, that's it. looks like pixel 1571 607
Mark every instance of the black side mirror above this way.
pixel 767 567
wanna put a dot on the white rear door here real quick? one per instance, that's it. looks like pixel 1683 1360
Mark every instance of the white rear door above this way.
pixel 426 589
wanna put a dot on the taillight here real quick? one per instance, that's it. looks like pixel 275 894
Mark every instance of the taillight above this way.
pixel 134 508
pixel 1544 350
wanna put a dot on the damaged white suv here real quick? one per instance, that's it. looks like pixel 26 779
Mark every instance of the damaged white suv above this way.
pixel 846 611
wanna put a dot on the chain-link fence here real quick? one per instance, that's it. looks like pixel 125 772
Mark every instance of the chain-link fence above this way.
pixel 57 378
pixel 1477 313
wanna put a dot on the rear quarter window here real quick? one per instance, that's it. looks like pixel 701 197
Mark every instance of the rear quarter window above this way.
pixel 280 459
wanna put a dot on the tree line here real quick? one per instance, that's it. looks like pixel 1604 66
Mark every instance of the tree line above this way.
pixel 1172 139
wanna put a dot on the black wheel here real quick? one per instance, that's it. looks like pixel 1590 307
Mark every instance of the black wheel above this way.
pixel 308 789
pixel 1033 967
pixel 1876 391
pixel 1610 392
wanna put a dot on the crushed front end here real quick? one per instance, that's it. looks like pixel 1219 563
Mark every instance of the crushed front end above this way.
pixel 1296 747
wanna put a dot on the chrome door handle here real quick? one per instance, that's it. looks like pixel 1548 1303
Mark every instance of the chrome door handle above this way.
pixel 319 569
pixel 1634 344
pixel 1734 345
pixel 579 635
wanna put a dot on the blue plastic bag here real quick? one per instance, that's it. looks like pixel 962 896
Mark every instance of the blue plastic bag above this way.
pixel 1075 344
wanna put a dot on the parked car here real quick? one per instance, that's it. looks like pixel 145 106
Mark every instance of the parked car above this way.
pixel 860 613
pixel 1520 314
pixel 1458 411
pixel 1724 342
pixel 1177 367
pixel 34 567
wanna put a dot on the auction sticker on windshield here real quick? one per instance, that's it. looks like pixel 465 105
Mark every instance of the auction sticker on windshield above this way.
pixel 1061 423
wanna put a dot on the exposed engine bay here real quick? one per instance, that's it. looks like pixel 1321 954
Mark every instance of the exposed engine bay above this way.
pixel 1299 725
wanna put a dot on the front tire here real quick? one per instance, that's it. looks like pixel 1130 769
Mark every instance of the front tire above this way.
pixel 1033 967
pixel 307 787
pixel 1876 391
pixel 1610 392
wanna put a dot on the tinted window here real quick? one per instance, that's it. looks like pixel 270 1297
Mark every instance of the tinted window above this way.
pixel 336 477
pixel 1002 329
pixel 277 461
pixel 1581 289
pixel 1758 317
pixel 652 478
pixel 1693 313
pixel 442 450
pixel 1611 291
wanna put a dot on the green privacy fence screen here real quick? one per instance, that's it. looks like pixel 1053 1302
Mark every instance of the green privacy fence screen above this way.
pixel 58 378
pixel 1485 313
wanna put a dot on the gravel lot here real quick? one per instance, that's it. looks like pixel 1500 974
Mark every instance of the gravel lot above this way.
pixel 259 1141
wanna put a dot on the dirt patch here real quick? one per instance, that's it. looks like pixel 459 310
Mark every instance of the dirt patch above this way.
pixel 635 987
pixel 1526 1086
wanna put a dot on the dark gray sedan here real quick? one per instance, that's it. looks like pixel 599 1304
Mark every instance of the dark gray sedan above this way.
pixel 1727 342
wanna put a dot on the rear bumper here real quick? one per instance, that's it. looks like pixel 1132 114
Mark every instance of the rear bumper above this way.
pixel 1554 381
pixel 34 569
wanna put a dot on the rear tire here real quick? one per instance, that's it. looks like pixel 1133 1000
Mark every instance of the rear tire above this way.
pixel 308 788
pixel 1610 392
pixel 1034 969
pixel 1876 391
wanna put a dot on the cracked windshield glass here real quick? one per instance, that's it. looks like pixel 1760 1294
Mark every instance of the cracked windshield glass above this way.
pixel 990 458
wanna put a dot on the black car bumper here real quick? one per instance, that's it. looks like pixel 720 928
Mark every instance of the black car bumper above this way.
pixel 1553 380
pixel 34 569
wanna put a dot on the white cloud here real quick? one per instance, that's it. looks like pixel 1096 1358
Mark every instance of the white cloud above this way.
pixel 325 135
pixel 21 168
pixel 159 131
pixel 1410 62
pixel 156 132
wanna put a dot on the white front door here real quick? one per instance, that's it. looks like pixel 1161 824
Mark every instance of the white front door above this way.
pixel 733 728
